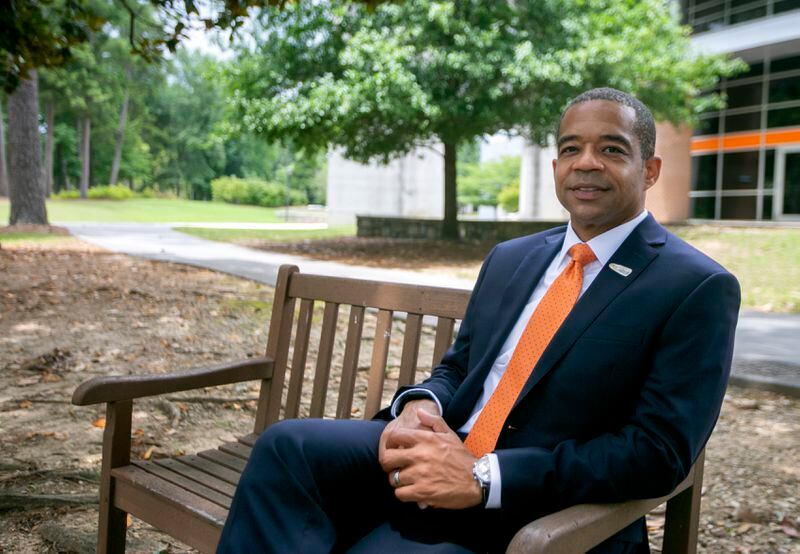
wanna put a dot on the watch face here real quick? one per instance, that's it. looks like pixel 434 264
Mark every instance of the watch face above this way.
pixel 483 470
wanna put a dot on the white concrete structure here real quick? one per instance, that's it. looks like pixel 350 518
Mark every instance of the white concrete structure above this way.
pixel 411 186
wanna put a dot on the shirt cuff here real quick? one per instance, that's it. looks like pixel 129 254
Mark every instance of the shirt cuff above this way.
pixel 418 393
pixel 497 486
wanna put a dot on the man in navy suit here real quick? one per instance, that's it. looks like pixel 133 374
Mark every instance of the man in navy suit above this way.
pixel 618 406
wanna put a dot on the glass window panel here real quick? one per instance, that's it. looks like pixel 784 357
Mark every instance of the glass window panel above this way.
pixel 791 184
pixel 752 3
pixel 781 90
pixel 745 95
pixel 703 208
pixel 740 170
pixel 743 122
pixel 769 169
pixel 755 69
pixel 766 207
pixel 747 15
pixel 784 64
pixel 707 126
pixel 738 207
pixel 785 5
pixel 704 172
pixel 784 117
pixel 706 11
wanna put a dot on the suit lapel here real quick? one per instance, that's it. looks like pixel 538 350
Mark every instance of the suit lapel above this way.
pixel 638 250
pixel 519 290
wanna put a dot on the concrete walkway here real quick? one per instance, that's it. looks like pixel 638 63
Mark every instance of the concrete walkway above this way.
pixel 766 352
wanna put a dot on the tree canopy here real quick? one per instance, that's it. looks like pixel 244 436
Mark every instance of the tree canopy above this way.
pixel 381 82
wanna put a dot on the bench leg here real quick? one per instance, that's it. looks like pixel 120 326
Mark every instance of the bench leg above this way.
pixel 116 453
pixel 683 516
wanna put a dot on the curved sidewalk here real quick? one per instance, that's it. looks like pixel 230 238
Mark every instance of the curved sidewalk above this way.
pixel 766 354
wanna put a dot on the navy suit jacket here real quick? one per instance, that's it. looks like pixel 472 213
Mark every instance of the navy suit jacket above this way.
pixel 626 394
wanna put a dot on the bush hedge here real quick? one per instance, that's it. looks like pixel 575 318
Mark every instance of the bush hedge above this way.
pixel 104 192
pixel 255 192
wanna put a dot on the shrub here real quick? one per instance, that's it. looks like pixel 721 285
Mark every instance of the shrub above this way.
pixel 508 198
pixel 254 192
pixel 110 192
pixel 67 195
pixel 149 192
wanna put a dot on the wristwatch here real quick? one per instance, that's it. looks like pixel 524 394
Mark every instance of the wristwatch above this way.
pixel 482 473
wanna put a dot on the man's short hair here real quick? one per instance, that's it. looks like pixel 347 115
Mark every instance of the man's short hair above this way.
pixel 644 126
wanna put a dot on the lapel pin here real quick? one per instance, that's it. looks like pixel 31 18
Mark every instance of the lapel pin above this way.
pixel 621 269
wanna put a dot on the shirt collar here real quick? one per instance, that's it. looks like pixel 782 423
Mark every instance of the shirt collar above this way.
pixel 605 244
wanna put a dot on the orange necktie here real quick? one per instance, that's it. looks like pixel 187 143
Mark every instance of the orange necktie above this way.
pixel 543 324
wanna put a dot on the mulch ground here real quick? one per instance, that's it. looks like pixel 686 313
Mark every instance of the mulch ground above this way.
pixel 69 312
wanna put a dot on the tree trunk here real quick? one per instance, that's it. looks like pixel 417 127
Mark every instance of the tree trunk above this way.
pixel 450 223
pixel 3 167
pixel 63 158
pixel 86 136
pixel 48 149
pixel 25 162
pixel 123 116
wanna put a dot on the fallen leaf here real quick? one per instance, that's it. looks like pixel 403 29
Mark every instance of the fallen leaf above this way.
pixel 789 527
pixel 147 453
pixel 50 378
pixel 100 423
pixel 744 528
pixel 27 381
pixel 128 521
pixel 25 404
pixel 138 432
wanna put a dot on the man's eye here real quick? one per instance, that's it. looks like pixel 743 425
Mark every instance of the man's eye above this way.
pixel 568 150
pixel 614 150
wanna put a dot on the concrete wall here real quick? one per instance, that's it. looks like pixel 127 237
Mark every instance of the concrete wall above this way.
pixel 412 186
pixel 537 192
pixel 495 231
pixel 668 199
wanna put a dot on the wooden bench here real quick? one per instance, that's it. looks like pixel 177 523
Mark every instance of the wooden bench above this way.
pixel 189 496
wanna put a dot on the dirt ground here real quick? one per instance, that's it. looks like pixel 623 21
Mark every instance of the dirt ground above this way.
pixel 69 312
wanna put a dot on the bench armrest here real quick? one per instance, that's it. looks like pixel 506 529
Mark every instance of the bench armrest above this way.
pixel 128 387
pixel 579 528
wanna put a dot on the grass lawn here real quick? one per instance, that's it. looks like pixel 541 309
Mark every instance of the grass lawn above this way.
pixel 151 210
pixel 243 236
pixel 765 260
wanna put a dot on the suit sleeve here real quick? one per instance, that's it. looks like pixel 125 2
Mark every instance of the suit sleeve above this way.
pixel 678 406
pixel 451 371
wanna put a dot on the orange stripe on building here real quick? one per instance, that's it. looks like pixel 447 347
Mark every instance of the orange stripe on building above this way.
pixel 739 141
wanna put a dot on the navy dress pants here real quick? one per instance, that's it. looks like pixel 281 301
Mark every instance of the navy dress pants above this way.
pixel 316 486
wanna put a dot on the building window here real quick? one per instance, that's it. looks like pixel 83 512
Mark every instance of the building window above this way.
pixel 704 172
pixel 703 207
pixel 766 98
pixel 738 207
pixel 740 170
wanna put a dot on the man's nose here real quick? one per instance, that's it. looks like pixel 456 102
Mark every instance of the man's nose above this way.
pixel 588 161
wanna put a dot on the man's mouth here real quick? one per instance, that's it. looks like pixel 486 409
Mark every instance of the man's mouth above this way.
pixel 587 192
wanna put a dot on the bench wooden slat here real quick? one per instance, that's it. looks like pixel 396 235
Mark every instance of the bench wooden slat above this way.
pixel 236 449
pixel 185 483
pixel 350 364
pixel 324 355
pixel 186 516
pixel 217 456
pixel 248 440
pixel 302 334
pixel 396 297
pixel 408 359
pixel 202 464
pixel 377 368
pixel 211 481
pixel 444 338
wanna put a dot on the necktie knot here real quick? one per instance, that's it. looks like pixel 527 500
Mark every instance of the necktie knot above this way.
pixel 582 253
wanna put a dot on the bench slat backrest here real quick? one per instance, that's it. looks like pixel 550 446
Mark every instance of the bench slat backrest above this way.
pixel 337 362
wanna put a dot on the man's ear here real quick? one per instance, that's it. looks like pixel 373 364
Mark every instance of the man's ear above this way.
pixel 652 169
pixel 555 161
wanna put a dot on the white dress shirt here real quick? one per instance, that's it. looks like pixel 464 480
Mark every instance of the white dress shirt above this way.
pixel 603 246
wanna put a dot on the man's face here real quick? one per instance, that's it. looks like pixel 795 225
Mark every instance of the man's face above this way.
pixel 599 174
